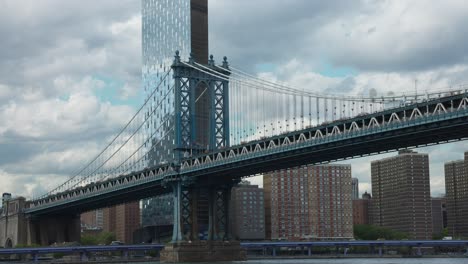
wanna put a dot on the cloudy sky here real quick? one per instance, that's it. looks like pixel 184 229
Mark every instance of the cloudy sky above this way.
pixel 70 70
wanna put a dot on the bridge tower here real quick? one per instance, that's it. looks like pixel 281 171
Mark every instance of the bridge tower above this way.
pixel 193 89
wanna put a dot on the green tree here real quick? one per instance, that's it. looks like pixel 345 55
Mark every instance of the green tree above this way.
pixel 441 235
pixel 104 238
pixel 371 232
pixel 89 240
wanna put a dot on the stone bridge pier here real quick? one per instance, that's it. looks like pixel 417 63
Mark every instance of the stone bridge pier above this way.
pixel 12 222
pixel 18 228
pixel 50 229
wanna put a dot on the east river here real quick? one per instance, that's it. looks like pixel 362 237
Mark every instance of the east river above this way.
pixel 347 261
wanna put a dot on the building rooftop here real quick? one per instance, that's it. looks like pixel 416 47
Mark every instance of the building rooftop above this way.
pixel 454 161
pixel 403 152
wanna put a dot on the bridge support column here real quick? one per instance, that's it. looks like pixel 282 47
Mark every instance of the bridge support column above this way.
pixel 177 228
pixel 185 246
pixel 218 214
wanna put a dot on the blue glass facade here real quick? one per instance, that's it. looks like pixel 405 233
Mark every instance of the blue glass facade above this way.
pixel 165 29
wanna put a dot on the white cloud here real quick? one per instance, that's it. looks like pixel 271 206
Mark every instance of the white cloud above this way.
pixel 54 53
pixel 397 35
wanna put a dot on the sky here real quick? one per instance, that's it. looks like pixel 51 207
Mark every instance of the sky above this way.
pixel 70 71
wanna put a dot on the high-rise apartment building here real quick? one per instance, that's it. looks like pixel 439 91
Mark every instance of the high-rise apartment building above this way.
pixel 92 219
pixel 309 202
pixel 456 187
pixel 355 188
pixel 169 26
pixel 247 212
pixel 122 220
pixel 401 195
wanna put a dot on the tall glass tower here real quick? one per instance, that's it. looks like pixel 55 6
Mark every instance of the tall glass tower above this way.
pixel 167 26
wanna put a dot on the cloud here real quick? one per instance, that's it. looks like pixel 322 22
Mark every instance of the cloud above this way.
pixel 398 36
pixel 57 58
pixel 382 36
pixel 52 62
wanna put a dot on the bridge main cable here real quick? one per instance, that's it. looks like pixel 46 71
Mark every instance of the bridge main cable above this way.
pixel 77 174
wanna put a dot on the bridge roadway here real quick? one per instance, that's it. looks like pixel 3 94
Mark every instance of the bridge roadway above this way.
pixel 425 123
pixel 83 250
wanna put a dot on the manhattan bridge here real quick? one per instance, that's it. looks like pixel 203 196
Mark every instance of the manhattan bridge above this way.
pixel 254 126
pixel 205 124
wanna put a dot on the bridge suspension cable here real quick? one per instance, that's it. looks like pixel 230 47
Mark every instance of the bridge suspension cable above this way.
pixel 262 108
pixel 118 142
pixel 258 109
pixel 116 169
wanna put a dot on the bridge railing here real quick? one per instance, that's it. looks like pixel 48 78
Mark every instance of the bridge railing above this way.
pixel 84 252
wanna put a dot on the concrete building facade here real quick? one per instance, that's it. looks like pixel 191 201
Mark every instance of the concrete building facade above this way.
pixel 456 187
pixel 361 210
pixel 309 202
pixel 122 220
pixel 439 215
pixel 93 219
pixel 247 212
pixel 401 194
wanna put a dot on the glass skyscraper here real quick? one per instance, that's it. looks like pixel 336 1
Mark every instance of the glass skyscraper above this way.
pixel 167 26
pixel 165 29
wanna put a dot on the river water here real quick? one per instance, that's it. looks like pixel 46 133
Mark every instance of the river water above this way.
pixel 363 261
pixel 348 261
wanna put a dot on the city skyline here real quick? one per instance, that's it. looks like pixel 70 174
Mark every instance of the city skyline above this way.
pixel 80 84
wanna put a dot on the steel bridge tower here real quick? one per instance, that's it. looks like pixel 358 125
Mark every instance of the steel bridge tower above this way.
pixel 194 118
pixel 167 26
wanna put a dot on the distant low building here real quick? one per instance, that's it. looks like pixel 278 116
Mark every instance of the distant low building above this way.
pixel 361 210
pixel 439 215
pixel 355 188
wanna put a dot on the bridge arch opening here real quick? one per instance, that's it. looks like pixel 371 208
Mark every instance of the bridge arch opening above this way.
pixel 202 117
pixel 9 243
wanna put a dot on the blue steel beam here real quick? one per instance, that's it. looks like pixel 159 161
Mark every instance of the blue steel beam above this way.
pixel 78 249
pixel 393 243
pixel 246 245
